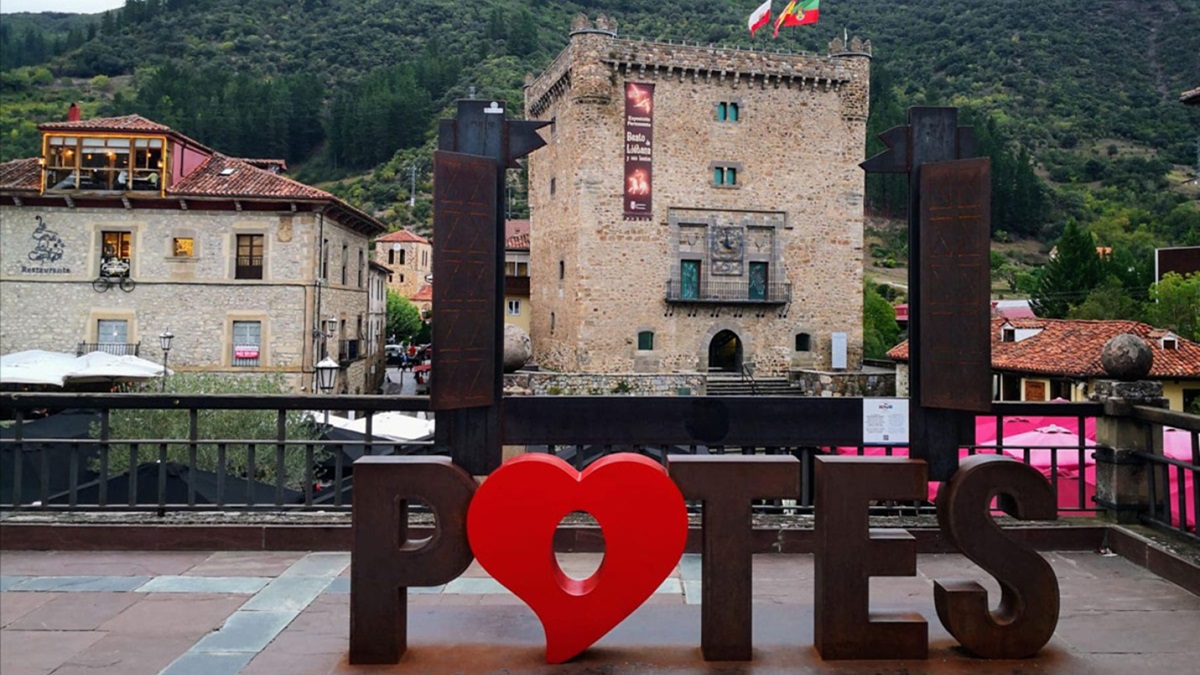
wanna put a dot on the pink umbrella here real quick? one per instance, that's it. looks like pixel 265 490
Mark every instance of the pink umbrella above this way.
pixel 1177 444
pixel 985 426
pixel 1055 452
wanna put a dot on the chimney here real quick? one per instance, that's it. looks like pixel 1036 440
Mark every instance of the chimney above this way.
pixel 73 113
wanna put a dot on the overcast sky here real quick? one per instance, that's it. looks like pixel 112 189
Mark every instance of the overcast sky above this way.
pixel 77 6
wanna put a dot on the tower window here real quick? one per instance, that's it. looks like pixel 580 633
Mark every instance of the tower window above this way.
pixel 727 111
pixel 725 176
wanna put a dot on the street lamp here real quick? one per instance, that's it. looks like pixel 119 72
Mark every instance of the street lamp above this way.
pixel 164 341
pixel 326 376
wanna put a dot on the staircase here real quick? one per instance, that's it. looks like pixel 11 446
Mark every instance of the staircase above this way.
pixel 733 385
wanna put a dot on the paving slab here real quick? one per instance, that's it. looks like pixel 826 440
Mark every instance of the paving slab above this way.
pixel 71 611
pixel 8 582
pixel 245 632
pixel 288 593
pixel 13 606
pixel 172 614
pixel 125 654
pixel 204 584
pixel 99 563
pixel 246 564
pixel 39 652
pixel 199 663
pixel 80 584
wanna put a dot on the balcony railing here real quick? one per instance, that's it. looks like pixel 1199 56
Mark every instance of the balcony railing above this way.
pixel 249 267
pixel 348 350
pixel 114 348
pixel 729 292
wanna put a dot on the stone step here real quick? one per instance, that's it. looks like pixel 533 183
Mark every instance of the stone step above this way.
pixel 734 386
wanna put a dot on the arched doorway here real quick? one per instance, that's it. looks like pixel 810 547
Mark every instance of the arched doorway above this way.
pixel 725 352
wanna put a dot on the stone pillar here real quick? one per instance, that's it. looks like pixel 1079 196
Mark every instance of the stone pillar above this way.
pixel 1121 484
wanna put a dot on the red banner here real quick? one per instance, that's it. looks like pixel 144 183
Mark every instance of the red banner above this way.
pixel 639 132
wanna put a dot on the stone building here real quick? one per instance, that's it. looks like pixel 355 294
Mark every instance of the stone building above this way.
pixel 517 308
pixel 697 208
pixel 408 258
pixel 125 228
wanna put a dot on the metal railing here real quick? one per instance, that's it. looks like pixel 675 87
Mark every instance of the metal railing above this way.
pixel 729 292
pixel 348 350
pixel 101 465
pixel 109 462
pixel 114 348
pixel 248 267
pixel 1173 470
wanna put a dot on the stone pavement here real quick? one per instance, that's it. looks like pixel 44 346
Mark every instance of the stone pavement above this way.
pixel 267 613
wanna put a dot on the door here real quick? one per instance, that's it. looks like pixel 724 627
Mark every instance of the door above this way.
pixel 725 352
pixel 689 279
pixel 759 278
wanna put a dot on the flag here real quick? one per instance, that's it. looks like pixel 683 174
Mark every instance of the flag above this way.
pixel 798 13
pixel 760 17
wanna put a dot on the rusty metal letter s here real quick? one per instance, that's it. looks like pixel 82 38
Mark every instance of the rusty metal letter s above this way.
pixel 386 561
pixel 1029 599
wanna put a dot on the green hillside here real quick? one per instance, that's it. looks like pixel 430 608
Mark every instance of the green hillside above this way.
pixel 1078 102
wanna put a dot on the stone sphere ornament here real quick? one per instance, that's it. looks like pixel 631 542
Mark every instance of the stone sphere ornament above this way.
pixel 1127 357
pixel 517 348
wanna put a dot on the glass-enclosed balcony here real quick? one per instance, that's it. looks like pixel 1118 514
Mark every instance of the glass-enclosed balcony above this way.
pixel 104 163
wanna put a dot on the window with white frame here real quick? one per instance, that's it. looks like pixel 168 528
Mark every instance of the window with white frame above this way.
pixel 112 336
pixel 247 342
pixel 514 307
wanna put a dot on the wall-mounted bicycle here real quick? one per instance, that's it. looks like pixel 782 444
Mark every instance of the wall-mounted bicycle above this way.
pixel 113 272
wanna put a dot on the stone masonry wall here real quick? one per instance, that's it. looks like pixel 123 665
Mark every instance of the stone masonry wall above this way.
pixel 799 138
pixel 585 384
pixel 839 383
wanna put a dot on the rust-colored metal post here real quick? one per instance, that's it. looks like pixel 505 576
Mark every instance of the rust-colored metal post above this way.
pixel 727 484
pixel 386 562
pixel 849 553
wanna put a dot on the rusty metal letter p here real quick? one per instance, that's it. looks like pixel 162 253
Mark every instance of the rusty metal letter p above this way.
pixel 385 561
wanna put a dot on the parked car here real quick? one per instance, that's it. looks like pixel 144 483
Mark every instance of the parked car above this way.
pixel 394 355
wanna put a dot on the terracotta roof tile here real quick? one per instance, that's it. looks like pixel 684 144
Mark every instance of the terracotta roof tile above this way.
pixel 423 294
pixel 515 228
pixel 518 243
pixel 273 165
pixel 123 123
pixel 221 176
pixel 403 236
pixel 1071 348
pixel 21 174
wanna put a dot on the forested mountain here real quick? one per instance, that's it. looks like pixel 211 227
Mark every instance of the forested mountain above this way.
pixel 1077 101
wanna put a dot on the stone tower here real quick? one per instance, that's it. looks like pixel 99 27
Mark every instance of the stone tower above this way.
pixel 697 208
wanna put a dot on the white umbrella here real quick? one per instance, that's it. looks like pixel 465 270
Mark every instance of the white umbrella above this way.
pixel 36 366
pixel 101 366
pixel 390 425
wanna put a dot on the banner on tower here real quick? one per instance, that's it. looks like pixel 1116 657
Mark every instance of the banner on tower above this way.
pixel 639 135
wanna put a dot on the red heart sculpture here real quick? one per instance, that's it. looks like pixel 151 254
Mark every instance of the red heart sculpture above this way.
pixel 511 524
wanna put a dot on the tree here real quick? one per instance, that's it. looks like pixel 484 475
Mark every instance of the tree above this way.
pixel 1175 304
pixel 261 425
pixel 1109 300
pixel 880 330
pixel 1069 276
pixel 403 318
